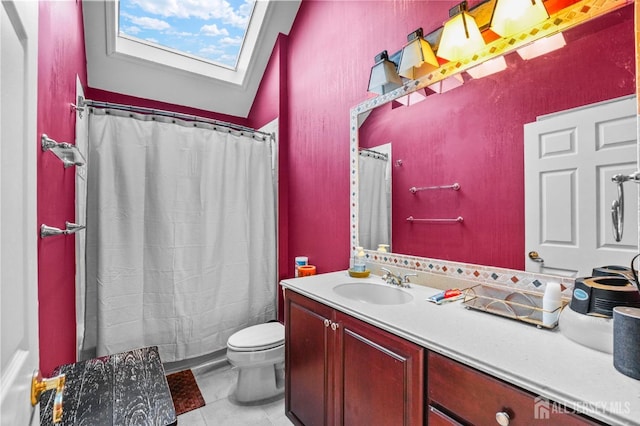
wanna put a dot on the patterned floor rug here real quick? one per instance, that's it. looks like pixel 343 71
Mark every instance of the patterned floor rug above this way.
pixel 184 391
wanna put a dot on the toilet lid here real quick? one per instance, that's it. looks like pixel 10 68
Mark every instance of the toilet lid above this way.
pixel 257 337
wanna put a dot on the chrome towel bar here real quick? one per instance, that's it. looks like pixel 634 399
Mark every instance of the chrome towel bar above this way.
pixel 455 187
pixel 71 228
pixel 458 219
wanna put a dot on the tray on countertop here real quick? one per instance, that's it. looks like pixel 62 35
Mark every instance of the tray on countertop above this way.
pixel 520 305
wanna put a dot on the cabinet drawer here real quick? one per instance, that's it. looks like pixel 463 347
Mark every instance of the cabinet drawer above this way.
pixel 436 417
pixel 476 398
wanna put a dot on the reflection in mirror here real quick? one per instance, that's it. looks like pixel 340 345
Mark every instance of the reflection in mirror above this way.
pixel 374 189
pixel 474 135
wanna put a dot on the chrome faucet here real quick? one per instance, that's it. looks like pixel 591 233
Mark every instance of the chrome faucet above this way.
pixel 396 279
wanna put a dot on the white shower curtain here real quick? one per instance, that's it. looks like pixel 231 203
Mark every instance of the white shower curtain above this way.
pixel 373 202
pixel 181 239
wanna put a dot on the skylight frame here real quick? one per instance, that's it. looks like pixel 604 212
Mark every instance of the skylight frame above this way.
pixel 114 72
pixel 135 49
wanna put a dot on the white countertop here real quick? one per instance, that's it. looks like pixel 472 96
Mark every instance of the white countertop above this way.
pixel 541 361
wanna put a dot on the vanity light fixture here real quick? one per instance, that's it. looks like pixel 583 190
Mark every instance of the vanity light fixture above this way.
pixel 542 46
pixel 514 16
pixel 417 57
pixel 489 67
pixel 461 36
pixel 384 78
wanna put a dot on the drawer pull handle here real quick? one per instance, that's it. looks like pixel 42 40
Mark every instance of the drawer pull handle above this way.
pixel 334 326
pixel 502 418
pixel 327 323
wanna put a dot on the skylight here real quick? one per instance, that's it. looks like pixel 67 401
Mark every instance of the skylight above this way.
pixel 124 44
pixel 210 30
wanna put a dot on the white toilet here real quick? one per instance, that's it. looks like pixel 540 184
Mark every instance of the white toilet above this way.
pixel 258 353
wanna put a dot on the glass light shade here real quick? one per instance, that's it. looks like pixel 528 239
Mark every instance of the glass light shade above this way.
pixel 413 98
pixel 460 38
pixel 514 16
pixel 489 67
pixel 447 84
pixel 384 78
pixel 417 59
pixel 542 46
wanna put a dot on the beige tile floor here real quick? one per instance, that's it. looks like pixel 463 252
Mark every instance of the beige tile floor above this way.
pixel 217 384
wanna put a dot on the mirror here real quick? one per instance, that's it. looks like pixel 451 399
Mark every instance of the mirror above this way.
pixel 374 192
pixel 473 135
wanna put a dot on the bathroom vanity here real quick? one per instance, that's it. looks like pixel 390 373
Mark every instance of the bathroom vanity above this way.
pixel 361 360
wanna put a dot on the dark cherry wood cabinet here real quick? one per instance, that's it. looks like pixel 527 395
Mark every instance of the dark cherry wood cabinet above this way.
pixel 379 376
pixel 342 371
pixel 458 394
pixel 307 360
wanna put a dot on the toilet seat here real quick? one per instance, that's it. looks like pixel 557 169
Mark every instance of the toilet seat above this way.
pixel 257 338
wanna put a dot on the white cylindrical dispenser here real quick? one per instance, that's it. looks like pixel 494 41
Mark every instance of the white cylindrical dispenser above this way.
pixel 551 304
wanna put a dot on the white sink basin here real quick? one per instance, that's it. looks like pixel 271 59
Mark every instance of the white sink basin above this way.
pixel 376 294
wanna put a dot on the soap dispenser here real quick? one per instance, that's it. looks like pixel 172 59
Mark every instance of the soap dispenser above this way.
pixel 359 264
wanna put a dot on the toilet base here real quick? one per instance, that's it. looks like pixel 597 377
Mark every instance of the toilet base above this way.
pixel 259 383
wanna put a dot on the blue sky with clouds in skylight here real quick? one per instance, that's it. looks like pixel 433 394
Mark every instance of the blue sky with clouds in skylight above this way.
pixel 210 29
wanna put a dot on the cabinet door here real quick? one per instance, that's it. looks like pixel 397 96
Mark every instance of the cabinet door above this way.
pixel 307 363
pixel 379 377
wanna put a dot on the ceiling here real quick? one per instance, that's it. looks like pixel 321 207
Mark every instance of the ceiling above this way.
pixel 123 65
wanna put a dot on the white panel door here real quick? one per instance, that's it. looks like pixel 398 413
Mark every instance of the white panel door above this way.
pixel 570 158
pixel 18 227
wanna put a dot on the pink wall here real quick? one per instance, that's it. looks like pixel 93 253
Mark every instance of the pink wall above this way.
pixel 330 52
pixel 60 58
pixel 270 103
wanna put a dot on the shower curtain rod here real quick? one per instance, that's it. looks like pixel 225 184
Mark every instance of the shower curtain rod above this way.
pixel 372 153
pixel 82 103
